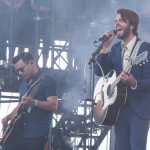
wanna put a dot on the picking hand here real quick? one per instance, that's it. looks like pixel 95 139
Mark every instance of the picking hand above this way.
pixel 5 120
pixel 128 79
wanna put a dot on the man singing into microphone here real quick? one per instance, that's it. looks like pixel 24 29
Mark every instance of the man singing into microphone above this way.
pixel 131 128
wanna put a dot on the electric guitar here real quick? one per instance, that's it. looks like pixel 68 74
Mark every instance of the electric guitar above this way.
pixel 110 94
pixel 20 113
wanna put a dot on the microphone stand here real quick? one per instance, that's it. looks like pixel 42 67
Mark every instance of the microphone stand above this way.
pixel 92 60
pixel 92 63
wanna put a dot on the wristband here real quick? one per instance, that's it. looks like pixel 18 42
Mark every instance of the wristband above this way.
pixel 134 88
pixel 100 51
pixel 35 102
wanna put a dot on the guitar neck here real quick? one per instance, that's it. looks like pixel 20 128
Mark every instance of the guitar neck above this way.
pixel 127 69
pixel 114 84
pixel 23 108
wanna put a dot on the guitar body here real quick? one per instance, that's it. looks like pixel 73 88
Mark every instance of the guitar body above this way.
pixel 108 101
pixel 10 128
pixel 110 94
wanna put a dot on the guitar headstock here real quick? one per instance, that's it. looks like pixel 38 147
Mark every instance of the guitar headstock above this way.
pixel 141 58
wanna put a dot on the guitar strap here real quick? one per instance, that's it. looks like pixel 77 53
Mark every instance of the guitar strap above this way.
pixel 135 51
pixel 34 90
pixel 136 48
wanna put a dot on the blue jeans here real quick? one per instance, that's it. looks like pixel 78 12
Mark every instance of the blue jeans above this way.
pixel 131 130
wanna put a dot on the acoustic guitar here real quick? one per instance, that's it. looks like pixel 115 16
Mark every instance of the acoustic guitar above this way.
pixel 110 94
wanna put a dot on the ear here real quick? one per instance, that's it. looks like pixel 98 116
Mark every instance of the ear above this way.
pixel 132 27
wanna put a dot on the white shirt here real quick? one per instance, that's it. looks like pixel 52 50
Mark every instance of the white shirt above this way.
pixel 127 51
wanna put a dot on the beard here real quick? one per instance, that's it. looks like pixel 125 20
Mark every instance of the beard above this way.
pixel 126 33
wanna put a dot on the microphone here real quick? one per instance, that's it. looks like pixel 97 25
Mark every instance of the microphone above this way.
pixel 105 38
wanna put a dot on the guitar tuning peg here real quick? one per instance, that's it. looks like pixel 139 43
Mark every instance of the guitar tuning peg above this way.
pixel 147 60
pixel 140 64
pixel 143 62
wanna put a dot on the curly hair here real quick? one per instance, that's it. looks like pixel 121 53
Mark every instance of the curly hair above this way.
pixel 131 17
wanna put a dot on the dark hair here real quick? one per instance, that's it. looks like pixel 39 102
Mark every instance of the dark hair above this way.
pixel 25 56
pixel 132 18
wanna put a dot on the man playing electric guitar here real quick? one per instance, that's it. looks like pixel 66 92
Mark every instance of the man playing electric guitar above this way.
pixel 132 125
pixel 30 131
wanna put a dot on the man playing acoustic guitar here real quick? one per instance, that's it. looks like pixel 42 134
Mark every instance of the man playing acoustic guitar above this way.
pixel 30 121
pixel 132 125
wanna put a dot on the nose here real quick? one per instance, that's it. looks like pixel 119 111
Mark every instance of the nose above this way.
pixel 116 22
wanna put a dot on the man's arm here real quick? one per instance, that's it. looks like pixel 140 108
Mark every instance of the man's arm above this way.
pixel 5 120
pixel 50 104
pixel 19 4
pixel 16 5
